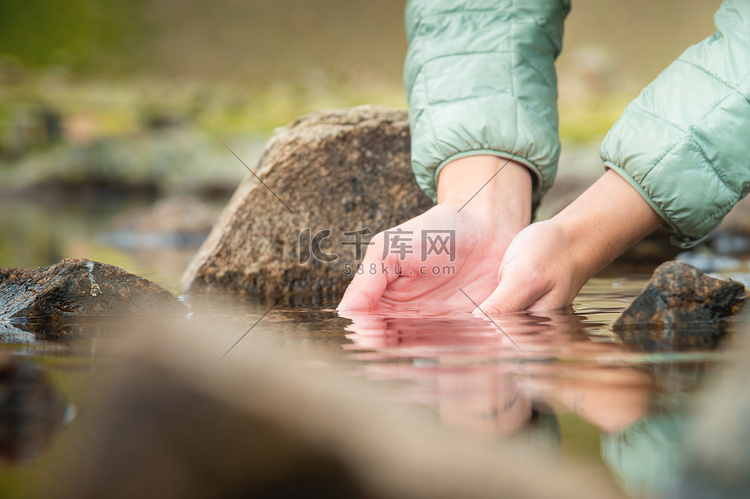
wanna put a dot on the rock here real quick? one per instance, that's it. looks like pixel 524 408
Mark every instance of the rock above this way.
pixel 181 160
pixel 182 214
pixel 173 222
pixel 341 170
pixel 681 307
pixel 76 287
pixel 741 277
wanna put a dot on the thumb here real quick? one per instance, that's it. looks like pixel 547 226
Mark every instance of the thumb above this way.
pixel 368 285
pixel 515 292
pixel 363 293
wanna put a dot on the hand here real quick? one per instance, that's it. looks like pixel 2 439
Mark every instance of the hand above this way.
pixel 548 263
pixel 484 209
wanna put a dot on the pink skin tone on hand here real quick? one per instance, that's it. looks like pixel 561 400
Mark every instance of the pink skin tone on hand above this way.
pixel 500 260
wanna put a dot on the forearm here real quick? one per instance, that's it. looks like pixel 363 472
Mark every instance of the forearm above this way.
pixel 604 221
pixel 548 263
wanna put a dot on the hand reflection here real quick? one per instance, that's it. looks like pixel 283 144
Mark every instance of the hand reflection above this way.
pixel 480 376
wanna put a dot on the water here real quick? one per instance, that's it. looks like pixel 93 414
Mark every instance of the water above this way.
pixel 563 382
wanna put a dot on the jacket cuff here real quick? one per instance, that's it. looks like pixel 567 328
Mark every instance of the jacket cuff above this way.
pixel 529 139
pixel 678 238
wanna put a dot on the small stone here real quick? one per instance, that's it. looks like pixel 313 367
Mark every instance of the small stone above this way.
pixel 76 287
pixel 680 308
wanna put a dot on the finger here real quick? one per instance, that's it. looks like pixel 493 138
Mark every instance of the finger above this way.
pixel 363 293
pixel 514 293
pixel 367 287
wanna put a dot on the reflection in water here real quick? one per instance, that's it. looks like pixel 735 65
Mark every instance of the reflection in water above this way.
pixel 503 367
pixel 503 379
pixel 648 456
pixel 673 337
pixel 519 379
pixel 31 411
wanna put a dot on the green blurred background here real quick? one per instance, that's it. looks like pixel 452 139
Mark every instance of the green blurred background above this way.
pixel 108 105
pixel 248 66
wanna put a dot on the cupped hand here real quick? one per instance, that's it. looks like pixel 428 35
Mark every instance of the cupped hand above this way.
pixel 431 278
pixel 549 262
pixel 538 272
pixel 447 257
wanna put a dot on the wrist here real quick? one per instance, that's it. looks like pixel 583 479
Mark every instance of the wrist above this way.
pixel 608 218
pixel 489 185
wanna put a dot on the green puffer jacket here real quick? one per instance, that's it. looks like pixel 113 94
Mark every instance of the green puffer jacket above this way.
pixel 480 79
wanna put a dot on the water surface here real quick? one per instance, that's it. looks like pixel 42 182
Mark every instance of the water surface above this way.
pixel 563 382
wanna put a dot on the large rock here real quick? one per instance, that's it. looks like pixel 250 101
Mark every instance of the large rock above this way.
pixel 77 287
pixel 342 170
pixel 681 307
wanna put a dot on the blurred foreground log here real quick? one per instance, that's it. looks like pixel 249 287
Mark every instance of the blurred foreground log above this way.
pixel 718 450
pixel 175 422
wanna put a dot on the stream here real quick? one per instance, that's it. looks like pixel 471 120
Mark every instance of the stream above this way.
pixel 564 382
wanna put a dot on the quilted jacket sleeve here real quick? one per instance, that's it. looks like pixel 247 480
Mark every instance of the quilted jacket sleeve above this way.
pixel 683 143
pixel 480 79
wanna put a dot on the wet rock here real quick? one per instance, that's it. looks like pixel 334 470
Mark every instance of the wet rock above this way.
pixel 339 171
pixel 741 277
pixel 173 222
pixel 77 287
pixel 32 411
pixel 680 308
